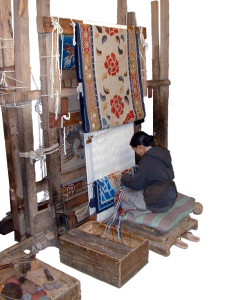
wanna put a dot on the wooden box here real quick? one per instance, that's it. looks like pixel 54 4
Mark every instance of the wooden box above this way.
pixel 106 259
pixel 69 287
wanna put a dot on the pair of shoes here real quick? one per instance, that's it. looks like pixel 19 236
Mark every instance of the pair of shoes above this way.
pixel 179 243
pixel 190 236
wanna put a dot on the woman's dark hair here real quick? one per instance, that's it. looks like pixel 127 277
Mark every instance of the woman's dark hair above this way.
pixel 142 138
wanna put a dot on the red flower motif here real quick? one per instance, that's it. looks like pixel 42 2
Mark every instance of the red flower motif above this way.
pixel 117 106
pixel 111 64
pixel 129 117
pixel 111 31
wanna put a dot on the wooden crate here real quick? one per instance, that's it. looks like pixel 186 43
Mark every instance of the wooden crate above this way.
pixel 106 259
pixel 70 287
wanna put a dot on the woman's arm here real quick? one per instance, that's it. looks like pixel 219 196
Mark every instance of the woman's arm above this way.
pixel 140 179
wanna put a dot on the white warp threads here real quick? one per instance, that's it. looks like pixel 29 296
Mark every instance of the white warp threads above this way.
pixel 109 152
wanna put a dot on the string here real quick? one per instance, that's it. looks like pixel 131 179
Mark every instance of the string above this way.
pixel 59 31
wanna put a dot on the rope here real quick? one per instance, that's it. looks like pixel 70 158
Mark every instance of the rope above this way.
pixel 59 31
pixel 39 153
pixel 142 38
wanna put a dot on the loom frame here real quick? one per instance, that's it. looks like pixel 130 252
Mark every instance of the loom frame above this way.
pixel 34 225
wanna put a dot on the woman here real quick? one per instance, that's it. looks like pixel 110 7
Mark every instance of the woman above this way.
pixel 153 180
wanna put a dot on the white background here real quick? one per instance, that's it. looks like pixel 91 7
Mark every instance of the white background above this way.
pixel 196 141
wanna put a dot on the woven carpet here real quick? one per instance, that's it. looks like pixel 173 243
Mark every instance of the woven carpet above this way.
pixel 108 66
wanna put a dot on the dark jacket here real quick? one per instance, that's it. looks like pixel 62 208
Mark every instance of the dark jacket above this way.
pixel 154 176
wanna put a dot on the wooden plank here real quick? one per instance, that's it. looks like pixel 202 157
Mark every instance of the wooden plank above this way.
pixel 22 73
pixel 6 33
pixel 69 176
pixel 21 96
pixel 47 26
pixel 93 242
pixel 43 240
pixel 122 12
pixel 43 221
pixel 158 82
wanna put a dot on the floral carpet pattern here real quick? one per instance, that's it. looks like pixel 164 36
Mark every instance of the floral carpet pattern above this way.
pixel 109 69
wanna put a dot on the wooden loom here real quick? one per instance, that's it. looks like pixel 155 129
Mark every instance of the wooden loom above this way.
pixel 54 222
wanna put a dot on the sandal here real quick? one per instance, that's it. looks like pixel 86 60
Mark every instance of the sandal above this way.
pixel 190 236
pixel 179 243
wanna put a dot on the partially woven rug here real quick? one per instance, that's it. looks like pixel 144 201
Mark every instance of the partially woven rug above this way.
pixel 108 66
pixel 105 190
pixel 164 222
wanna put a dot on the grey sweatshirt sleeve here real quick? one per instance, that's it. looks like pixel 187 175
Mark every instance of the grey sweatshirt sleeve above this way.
pixel 139 180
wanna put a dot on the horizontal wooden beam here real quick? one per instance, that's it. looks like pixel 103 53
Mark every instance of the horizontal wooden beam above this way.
pixel 20 97
pixel 46 26
pixel 158 82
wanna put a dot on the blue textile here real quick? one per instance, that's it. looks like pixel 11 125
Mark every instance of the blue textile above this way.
pixel 68 59
pixel 104 192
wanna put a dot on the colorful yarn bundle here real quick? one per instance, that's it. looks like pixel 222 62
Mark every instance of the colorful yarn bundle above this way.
pixel 117 215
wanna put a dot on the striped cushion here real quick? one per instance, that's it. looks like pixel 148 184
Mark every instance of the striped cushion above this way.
pixel 164 222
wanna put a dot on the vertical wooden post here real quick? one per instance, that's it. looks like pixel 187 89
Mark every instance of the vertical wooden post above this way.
pixel 160 70
pixel 155 66
pixel 122 12
pixel 22 73
pixel 10 123
pixel 6 31
pixel 50 134
pixel 164 70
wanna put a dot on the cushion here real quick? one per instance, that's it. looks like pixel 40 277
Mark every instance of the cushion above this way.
pixel 164 222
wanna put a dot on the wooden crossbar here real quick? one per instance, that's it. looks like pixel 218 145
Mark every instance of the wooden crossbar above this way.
pixel 44 25
pixel 18 97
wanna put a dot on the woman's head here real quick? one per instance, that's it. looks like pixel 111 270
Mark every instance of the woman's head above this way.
pixel 141 142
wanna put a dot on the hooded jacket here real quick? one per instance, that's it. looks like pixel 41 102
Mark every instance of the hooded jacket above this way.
pixel 154 176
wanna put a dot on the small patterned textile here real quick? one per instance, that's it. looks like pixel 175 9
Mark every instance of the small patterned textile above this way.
pixel 109 70
pixel 105 191
pixel 164 222
pixel 68 59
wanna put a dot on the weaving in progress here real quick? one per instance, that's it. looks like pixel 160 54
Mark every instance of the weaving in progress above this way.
pixel 108 152
pixel 109 76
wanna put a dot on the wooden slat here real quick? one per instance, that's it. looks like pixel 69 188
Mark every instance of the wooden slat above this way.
pixel 96 243
pixel 18 97
pixel 158 82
